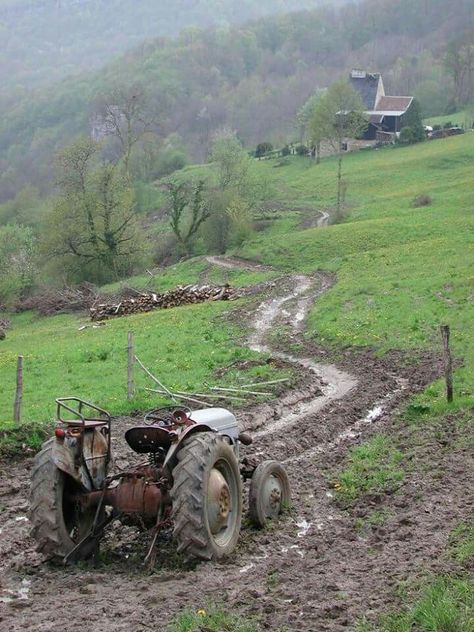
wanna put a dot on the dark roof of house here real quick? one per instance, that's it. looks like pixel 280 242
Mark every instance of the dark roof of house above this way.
pixel 366 85
pixel 393 104
pixel 375 119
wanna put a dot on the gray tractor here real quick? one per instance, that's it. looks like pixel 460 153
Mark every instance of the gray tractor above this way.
pixel 191 480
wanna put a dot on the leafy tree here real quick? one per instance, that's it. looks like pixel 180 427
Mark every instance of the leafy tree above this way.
pixel 17 262
pixel 305 120
pixel 233 162
pixel 188 210
pixel 413 120
pixel 231 207
pixel 338 117
pixel 93 228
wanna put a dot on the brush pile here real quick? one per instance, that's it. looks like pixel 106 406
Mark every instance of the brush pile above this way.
pixel 146 302
pixel 67 300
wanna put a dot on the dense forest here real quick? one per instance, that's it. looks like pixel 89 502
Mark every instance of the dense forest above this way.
pixel 47 40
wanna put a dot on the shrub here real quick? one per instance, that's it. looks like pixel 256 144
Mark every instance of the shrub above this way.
pixel 286 151
pixel 407 136
pixel 262 149
pixel 302 150
pixel 422 200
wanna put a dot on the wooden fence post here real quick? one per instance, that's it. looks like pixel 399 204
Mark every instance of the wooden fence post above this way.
pixel 448 362
pixel 131 362
pixel 19 390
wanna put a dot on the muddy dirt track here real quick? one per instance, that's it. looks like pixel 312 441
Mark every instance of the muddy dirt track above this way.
pixel 316 570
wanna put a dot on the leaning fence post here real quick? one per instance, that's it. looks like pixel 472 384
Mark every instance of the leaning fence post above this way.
pixel 19 390
pixel 448 362
pixel 131 362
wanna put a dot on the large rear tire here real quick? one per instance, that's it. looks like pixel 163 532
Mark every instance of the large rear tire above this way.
pixel 206 497
pixel 58 522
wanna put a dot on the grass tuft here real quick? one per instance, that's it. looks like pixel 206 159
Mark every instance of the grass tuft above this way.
pixel 211 619
pixel 374 466
pixel 445 605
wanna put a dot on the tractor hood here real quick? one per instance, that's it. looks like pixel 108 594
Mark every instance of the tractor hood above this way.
pixel 218 419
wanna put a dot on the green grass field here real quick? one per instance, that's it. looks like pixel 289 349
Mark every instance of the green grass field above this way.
pixel 458 118
pixel 184 347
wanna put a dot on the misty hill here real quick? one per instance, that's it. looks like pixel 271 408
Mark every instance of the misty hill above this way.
pixel 252 78
pixel 45 40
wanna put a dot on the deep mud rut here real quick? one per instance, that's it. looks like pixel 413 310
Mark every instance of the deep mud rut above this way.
pixel 314 571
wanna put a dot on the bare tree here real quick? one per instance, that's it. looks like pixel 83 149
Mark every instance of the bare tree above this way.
pixel 128 114
pixel 93 224
pixel 459 61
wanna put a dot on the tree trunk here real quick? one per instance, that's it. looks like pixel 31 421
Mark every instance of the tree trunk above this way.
pixel 339 182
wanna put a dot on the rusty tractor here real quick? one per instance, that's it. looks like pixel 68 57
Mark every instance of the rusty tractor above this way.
pixel 191 480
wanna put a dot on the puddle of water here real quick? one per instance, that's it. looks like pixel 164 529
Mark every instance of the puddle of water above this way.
pixel 374 414
pixel 19 594
pixel 247 568
pixel 304 527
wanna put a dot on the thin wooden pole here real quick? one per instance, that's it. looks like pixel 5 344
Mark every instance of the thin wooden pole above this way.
pixel 448 362
pixel 131 362
pixel 19 390
pixel 155 379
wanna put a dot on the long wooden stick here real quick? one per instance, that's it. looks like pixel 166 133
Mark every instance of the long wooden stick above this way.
pixel 19 390
pixel 208 395
pixel 283 379
pixel 176 397
pixel 156 380
pixel 237 390
pixel 131 362
pixel 448 362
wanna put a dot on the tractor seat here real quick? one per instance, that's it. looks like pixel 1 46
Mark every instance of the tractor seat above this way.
pixel 149 439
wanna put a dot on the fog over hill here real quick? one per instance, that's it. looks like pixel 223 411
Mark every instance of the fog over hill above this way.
pixel 46 40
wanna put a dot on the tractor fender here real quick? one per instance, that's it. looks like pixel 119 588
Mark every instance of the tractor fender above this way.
pixel 91 470
pixel 171 456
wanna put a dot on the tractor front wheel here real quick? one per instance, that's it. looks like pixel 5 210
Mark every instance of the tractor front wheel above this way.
pixel 58 521
pixel 206 497
pixel 269 492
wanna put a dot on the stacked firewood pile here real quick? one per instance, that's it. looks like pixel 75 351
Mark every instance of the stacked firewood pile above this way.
pixel 181 295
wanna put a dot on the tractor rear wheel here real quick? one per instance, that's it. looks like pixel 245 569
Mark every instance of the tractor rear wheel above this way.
pixel 58 522
pixel 206 497
pixel 269 492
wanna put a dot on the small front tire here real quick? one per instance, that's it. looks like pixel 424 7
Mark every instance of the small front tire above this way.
pixel 269 493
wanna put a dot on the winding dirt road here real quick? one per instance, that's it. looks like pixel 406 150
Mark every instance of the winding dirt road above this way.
pixel 313 572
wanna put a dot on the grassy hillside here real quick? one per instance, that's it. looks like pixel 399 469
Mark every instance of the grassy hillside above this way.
pixel 402 271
